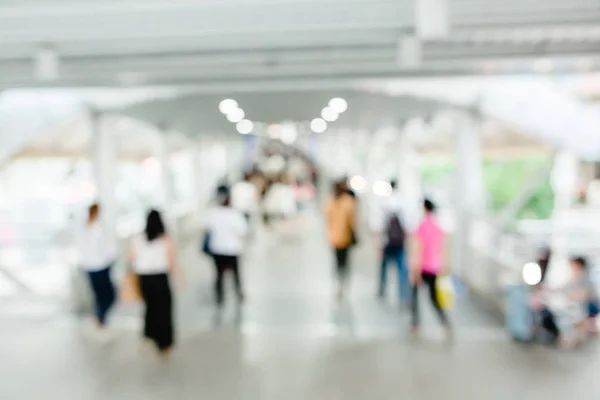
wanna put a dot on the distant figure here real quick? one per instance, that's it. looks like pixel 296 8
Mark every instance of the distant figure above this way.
pixel 245 196
pixel 393 234
pixel 280 200
pixel 152 256
pixel 428 250
pixel 97 256
pixel 340 214
pixel 569 312
pixel 226 228
pixel 544 262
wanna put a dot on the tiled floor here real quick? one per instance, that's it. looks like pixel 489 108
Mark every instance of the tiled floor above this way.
pixel 290 341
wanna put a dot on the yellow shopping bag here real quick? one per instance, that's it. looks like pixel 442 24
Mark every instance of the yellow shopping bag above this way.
pixel 444 290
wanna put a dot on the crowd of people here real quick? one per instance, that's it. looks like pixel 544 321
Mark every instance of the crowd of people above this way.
pixel 568 312
pixel 415 244
pixel 417 249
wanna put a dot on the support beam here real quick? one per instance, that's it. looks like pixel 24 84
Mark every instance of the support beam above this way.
pixel 104 161
pixel 468 187
pixel 564 183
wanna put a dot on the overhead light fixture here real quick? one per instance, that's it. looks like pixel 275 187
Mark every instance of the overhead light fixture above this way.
pixel 245 126
pixel 532 274
pixel 288 133
pixel 358 183
pixel 228 105
pixel 432 18
pixel 338 105
pixel 47 64
pixel 410 52
pixel 329 115
pixel 274 131
pixel 236 115
pixel 318 125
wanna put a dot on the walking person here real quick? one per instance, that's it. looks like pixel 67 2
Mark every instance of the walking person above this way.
pixel 340 214
pixel 97 256
pixel 428 253
pixel 226 229
pixel 152 256
pixel 393 236
pixel 245 197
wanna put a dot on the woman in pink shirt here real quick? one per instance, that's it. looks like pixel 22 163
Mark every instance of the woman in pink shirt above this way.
pixel 428 263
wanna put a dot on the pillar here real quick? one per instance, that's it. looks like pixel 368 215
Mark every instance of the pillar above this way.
pixel 468 193
pixel 104 165
pixel 409 178
pixel 564 182
pixel 168 206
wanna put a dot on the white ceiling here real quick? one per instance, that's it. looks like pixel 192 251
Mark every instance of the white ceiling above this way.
pixel 169 62
pixel 285 42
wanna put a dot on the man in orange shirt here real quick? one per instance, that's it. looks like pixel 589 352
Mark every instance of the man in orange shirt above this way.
pixel 341 218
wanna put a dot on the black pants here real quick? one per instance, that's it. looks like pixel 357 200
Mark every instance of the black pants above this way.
pixel 429 280
pixel 222 264
pixel 341 263
pixel 549 322
pixel 158 321
pixel 104 293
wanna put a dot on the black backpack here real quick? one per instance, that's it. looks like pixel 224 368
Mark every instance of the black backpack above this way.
pixel 396 235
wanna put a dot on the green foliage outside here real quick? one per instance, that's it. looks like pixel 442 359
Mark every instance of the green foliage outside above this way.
pixel 503 180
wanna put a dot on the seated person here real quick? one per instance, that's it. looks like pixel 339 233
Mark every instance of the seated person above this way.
pixel 567 309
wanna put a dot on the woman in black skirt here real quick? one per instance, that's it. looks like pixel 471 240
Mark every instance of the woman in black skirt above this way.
pixel 153 259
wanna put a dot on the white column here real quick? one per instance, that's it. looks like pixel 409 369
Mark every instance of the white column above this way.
pixel 564 182
pixel 104 163
pixel 408 175
pixel 167 183
pixel 198 174
pixel 468 187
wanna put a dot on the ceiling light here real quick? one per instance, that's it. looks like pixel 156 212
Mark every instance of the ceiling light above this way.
pixel 532 274
pixel 288 133
pixel 245 126
pixel 47 64
pixel 318 125
pixel 228 105
pixel 338 105
pixel 274 131
pixel 358 183
pixel 329 115
pixel 236 115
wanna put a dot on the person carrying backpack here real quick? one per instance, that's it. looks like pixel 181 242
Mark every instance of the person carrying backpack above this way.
pixel 393 248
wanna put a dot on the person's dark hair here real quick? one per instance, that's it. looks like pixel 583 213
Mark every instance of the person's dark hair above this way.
pixel 155 227
pixel 338 188
pixel 393 184
pixel 93 212
pixel 429 206
pixel 223 196
pixel 581 261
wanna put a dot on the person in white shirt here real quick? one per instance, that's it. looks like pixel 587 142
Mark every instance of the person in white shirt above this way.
pixel 152 257
pixel 226 229
pixel 97 254
pixel 244 197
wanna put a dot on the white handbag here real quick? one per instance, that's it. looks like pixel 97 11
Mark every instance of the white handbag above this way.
pixel 82 301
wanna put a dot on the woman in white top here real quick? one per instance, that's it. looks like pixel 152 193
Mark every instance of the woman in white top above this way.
pixel 227 229
pixel 152 257
pixel 97 256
